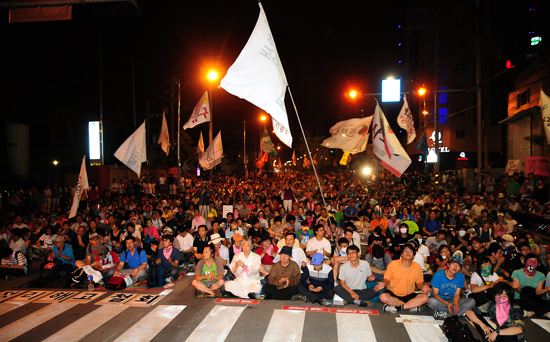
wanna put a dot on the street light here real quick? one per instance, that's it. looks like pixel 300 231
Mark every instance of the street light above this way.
pixel 353 94
pixel 55 162
pixel 263 118
pixel 367 170
pixel 212 75
pixel 422 91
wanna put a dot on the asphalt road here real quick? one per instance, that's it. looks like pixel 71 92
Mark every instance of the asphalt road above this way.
pixel 178 316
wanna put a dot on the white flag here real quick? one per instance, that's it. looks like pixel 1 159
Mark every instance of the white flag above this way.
pixel 81 186
pixel 545 108
pixel 200 114
pixel 258 77
pixel 405 120
pixel 213 155
pixel 133 151
pixel 386 146
pixel 349 135
pixel 200 148
pixel 164 138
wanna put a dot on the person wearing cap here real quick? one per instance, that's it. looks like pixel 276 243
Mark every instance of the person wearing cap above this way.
pixel 317 280
pixel 507 244
pixel 267 251
pixel 168 258
pixel 64 252
pixel 91 251
pixel 236 246
pixel 247 268
pixel 200 242
pixel 284 277
pixel 447 285
pixel 185 241
pixel 222 252
pixel 401 280
pixel 353 277
pixel 106 263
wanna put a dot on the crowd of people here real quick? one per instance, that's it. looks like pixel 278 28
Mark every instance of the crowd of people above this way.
pixel 410 242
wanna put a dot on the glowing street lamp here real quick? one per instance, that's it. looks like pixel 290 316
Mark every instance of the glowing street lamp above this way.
pixel 353 94
pixel 55 162
pixel 367 170
pixel 212 75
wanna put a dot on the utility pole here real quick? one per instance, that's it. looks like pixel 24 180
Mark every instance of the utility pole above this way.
pixel 178 174
pixel 479 102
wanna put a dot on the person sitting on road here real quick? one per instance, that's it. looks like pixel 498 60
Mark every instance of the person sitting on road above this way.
pixel 284 277
pixel 379 261
pixel 304 234
pixel 482 282
pixel 186 244
pixel 298 255
pixel 530 287
pixel 319 244
pixel 168 258
pixel 353 277
pixel 136 259
pixel 267 251
pixel 247 267
pixel 222 252
pixel 200 242
pixel 321 281
pixel 209 273
pixel 64 252
pixel 237 246
pixel 340 256
pixel 14 263
pixel 401 279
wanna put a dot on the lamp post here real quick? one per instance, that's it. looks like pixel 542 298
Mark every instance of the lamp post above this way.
pixel 212 76
pixel 178 174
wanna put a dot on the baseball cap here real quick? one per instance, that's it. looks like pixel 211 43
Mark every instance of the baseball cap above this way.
pixel 316 259
pixel 457 259
pixel 238 237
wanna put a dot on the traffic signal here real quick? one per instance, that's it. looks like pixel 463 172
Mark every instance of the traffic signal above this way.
pixel 509 65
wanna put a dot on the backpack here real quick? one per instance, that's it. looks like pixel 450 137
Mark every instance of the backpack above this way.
pixel 116 283
pixel 155 277
pixel 50 268
pixel 456 331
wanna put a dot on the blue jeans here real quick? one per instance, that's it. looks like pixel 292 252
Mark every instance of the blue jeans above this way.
pixel 464 305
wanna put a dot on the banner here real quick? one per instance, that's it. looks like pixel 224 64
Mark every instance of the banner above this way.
pixel 405 120
pixel 539 166
pixel 267 145
pixel 81 186
pixel 133 151
pixel 544 107
pixel 386 146
pixel 349 135
pixel 263 159
pixel 164 138
pixel 422 144
pixel 213 155
pixel 512 166
pixel 344 160
pixel 258 77
pixel 200 114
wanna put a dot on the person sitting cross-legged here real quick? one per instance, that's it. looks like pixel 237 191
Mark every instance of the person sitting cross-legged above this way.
pixel 321 280
pixel 247 268
pixel 353 277
pixel 209 273
pixel 136 259
pixel 168 258
pixel 401 279
pixel 284 277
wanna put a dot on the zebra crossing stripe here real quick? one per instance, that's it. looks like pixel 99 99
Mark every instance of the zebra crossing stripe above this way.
pixel 150 325
pixel 7 307
pixel 293 323
pixel 350 326
pixel 19 327
pixel 85 325
pixel 217 324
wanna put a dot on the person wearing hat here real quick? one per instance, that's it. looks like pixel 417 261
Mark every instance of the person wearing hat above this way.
pixel 401 280
pixel 247 268
pixel 317 281
pixel 222 252
pixel 168 258
pixel 284 277
pixel 267 251
pixel 447 285
pixel 106 263
pixel 91 251
pixel 64 252
pixel 13 263
pixel 237 246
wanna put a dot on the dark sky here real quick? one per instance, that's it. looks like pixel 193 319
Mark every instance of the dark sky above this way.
pixel 50 77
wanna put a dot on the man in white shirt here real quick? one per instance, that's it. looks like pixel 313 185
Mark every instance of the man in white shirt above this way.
pixel 319 244
pixel 17 242
pixel 298 255
pixel 186 244
pixel 19 223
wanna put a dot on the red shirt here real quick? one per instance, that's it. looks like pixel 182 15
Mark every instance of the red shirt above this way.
pixel 267 259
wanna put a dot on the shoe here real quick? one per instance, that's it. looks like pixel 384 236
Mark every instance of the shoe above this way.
pixel 527 313
pixel 252 295
pixel 366 303
pixel 10 277
pixel 390 308
pixel 415 310
pixel 440 314
pixel 298 297
pixel 268 296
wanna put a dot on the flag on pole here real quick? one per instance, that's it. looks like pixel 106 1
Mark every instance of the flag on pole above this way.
pixel 133 151
pixel 164 138
pixel 405 120
pixel 213 154
pixel 81 186
pixel 267 145
pixel 422 144
pixel 294 157
pixel 344 160
pixel 386 146
pixel 200 114
pixel 544 106
pixel 263 159
pixel 349 135
pixel 200 148
pixel 258 77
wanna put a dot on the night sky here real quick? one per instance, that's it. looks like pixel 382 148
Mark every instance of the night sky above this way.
pixel 50 76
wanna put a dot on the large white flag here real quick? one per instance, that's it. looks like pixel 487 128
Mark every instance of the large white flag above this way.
pixel 164 138
pixel 81 186
pixel 200 114
pixel 349 135
pixel 545 108
pixel 133 151
pixel 258 77
pixel 405 120
pixel 213 155
pixel 386 146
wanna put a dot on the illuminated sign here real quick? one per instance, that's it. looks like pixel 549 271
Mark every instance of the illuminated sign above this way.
pixel 432 157
pixel 462 156
pixel 536 40
pixel 391 90
pixel 94 140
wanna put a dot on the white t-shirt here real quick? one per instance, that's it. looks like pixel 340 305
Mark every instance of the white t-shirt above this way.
pixel 186 242
pixel 224 253
pixel 320 246
pixel 511 225
pixel 422 252
pixel 476 279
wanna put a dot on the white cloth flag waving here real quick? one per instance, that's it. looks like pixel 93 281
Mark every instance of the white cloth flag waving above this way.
pixel 349 135
pixel 164 138
pixel 405 120
pixel 545 108
pixel 213 155
pixel 386 146
pixel 200 114
pixel 81 186
pixel 133 151
pixel 258 77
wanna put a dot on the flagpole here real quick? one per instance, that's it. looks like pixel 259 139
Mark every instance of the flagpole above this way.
pixel 178 174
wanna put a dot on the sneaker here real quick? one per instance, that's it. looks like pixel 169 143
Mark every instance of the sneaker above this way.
pixel 390 308
pixel 415 310
pixel 366 303
pixel 10 277
pixel 298 297
pixel 527 313
pixel 440 314
pixel 252 295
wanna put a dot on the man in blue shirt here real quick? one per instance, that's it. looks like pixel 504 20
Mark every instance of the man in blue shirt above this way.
pixel 350 213
pixel 136 259
pixel 431 226
pixel 64 252
pixel 446 286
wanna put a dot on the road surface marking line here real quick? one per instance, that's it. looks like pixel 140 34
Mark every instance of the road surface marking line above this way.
pixel 350 326
pixel 149 326
pixel 293 323
pixel 217 324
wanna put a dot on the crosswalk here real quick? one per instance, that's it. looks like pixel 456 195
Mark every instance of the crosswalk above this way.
pixel 27 313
